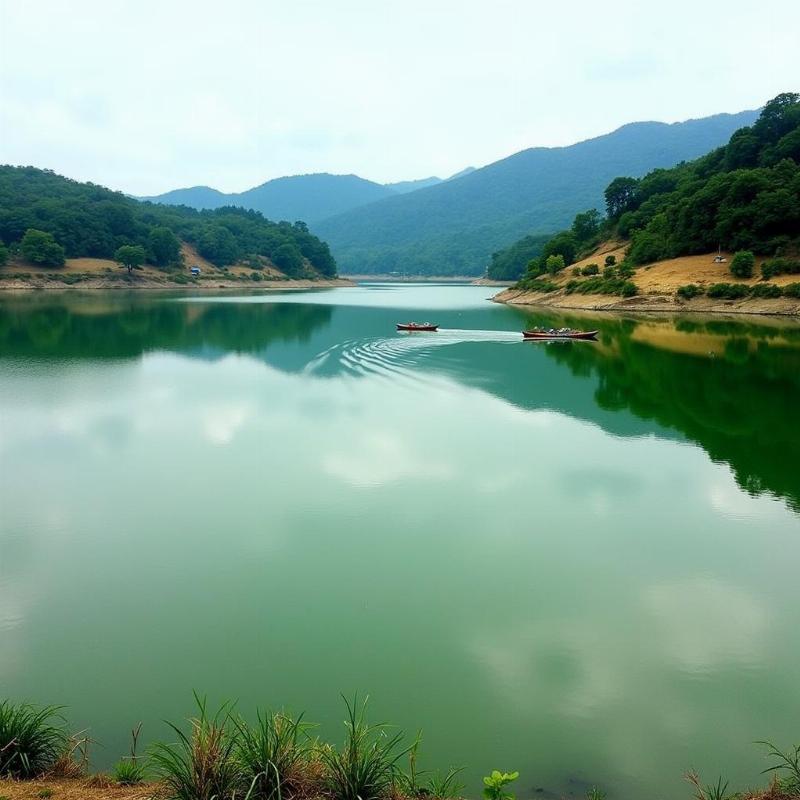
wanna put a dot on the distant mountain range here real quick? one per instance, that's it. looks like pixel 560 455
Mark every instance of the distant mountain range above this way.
pixel 309 198
pixel 452 226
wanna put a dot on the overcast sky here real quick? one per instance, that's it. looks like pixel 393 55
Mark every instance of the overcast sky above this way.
pixel 150 95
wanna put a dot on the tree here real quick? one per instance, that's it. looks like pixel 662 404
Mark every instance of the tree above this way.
pixel 619 193
pixel 164 245
pixel 219 245
pixel 586 225
pixel 41 248
pixel 742 264
pixel 3 254
pixel 554 263
pixel 610 260
pixel 287 258
pixel 130 256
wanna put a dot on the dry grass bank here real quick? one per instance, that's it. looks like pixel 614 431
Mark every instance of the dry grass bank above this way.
pixel 657 284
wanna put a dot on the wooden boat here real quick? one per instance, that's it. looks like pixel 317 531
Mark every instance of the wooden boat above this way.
pixel 417 326
pixel 561 333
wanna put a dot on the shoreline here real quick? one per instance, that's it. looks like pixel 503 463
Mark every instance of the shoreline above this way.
pixel 655 303
pixel 39 283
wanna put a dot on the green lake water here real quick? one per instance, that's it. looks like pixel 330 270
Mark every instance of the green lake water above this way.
pixel 577 560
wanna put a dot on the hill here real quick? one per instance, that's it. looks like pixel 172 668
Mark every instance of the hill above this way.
pixel 743 198
pixel 309 198
pixel 46 218
pixel 455 226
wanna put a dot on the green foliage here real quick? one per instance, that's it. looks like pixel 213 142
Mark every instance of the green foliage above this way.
pixel 41 248
pixel 742 264
pixel 554 263
pixel 31 739
pixel 589 270
pixel 619 195
pixel 90 221
pixel 538 285
pixel 510 264
pixel 766 290
pixel 787 765
pixel 610 260
pixel 690 291
pixel 780 266
pixel 3 255
pixel 494 785
pixel 164 246
pixel 202 764
pixel 45 793
pixel 728 291
pixel 586 226
pixel 270 752
pixel 791 290
pixel 130 771
pixel 367 765
pixel 130 256
pixel 603 285
pixel 595 794
pixel 445 787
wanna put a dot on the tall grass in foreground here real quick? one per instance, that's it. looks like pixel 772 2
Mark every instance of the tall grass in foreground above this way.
pixel 201 765
pixel 366 768
pixel 130 771
pixel 789 763
pixel 31 739
pixel 273 755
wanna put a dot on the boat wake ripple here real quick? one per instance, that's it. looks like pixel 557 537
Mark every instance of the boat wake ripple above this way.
pixel 397 356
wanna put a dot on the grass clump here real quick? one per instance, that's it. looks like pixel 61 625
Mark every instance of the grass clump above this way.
pixel 272 754
pixel 31 739
pixel 712 791
pixel 129 771
pixel 690 291
pixel 366 768
pixel 201 765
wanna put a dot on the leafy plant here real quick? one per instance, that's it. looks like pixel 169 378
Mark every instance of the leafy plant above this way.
pixel 202 764
pixel 494 784
pixel 31 739
pixel 595 794
pixel 788 762
pixel 742 264
pixel 128 771
pixel 366 768
pixel 689 291
pixel 271 752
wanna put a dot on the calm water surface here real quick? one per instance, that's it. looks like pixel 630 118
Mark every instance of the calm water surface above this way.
pixel 575 560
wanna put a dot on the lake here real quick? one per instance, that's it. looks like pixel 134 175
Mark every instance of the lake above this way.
pixel 577 560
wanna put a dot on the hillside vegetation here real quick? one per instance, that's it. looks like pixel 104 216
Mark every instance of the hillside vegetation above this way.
pixel 452 228
pixel 46 218
pixel 744 196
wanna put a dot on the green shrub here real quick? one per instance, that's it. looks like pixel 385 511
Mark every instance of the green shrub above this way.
pixel 590 269
pixel 31 739
pixel 3 254
pixel 576 272
pixel 689 291
pixel 610 261
pixel 791 290
pixel 554 263
pixel 128 773
pixel 779 266
pixel 254 276
pixel 366 768
pixel 625 270
pixel 609 273
pixel 629 289
pixel 742 264
pixel 728 291
pixel 572 286
pixel 766 290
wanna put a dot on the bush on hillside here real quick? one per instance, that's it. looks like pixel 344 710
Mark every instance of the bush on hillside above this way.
pixel 742 264
pixel 41 248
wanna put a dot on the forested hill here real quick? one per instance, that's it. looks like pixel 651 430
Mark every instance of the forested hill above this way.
pixel 71 219
pixel 743 196
pixel 455 226
pixel 306 197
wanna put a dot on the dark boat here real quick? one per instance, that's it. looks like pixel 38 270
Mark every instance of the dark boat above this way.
pixel 417 326
pixel 560 333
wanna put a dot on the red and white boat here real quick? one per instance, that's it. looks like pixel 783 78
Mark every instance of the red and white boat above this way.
pixel 558 333
pixel 417 326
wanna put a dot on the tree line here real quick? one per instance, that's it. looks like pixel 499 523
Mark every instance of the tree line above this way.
pixel 46 218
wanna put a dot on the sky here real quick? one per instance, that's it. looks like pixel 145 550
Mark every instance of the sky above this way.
pixel 144 96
